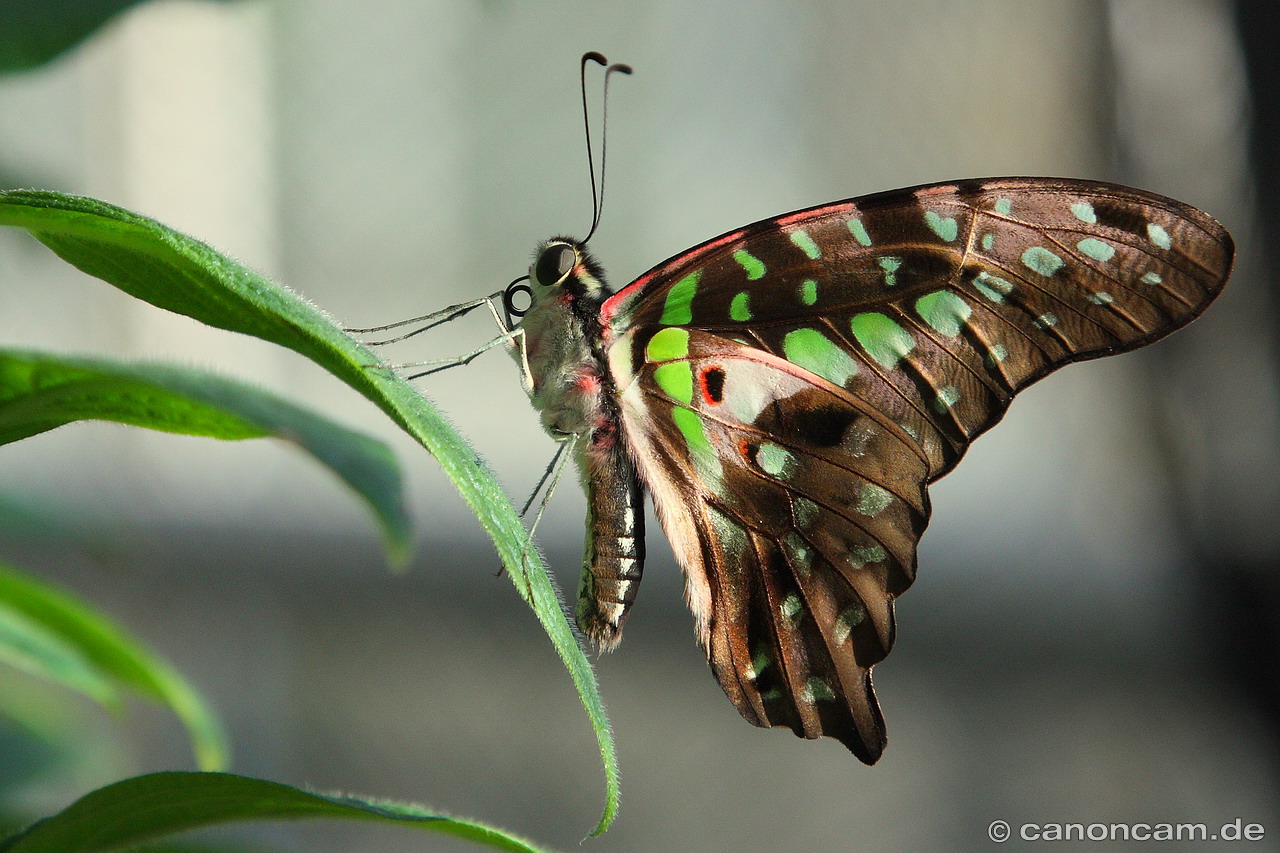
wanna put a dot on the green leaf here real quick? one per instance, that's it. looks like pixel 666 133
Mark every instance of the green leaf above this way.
pixel 33 32
pixel 30 646
pixel 85 650
pixel 135 810
pixel 40 392
pixel 175 272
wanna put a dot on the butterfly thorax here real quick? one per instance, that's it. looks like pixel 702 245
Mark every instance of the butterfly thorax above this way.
pixel 564 374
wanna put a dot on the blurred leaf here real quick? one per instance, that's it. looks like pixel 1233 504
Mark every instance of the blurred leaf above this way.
pixel 146 807
pixel 175 272
pixel 27 518
pixel 30 646
pixel 32 32
pixel 105 656
pixel 28 756
pixel 40 392
pixel 24 519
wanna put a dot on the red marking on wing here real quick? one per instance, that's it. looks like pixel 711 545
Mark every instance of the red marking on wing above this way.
pixel 837 209
pixel 707 377
pixel 936 189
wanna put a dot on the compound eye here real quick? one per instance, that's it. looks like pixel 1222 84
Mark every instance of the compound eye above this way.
pixel 554 264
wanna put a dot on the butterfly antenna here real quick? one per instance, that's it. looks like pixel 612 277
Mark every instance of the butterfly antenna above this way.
pixel 597 191
pixel 604 141
pixel 598 58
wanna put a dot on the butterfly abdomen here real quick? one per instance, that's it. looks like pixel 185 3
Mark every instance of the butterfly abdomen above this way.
pixel 613 556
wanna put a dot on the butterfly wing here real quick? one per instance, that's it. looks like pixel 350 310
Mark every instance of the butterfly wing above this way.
pixel 788 390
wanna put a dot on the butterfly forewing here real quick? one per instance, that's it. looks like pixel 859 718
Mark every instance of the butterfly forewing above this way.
pixel 787 390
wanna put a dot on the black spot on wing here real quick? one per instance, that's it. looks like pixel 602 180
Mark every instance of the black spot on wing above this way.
pixel 820 424
pixel 970 190
pixel 1123 216
pixel 713 384
pixel 926 267
pixel 639 343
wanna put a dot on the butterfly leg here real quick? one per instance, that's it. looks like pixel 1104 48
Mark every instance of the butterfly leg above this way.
pixel 437 365
pixel 429 321
pixel 552 468
pixel 526 373
pixel 553 472
pixel 613 558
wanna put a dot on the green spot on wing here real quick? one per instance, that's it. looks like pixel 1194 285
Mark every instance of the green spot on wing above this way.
pixel 667 344
pixel 859 232
pixel 798 554
pixel 849 618
pixel 805 243
pixel 882 338
pixel 993 287
pixel 1096 249
pixel 947 397
pixel 1047 319
pixel 760 661
pixel 791 609
pixel 816 353
pixel 806 511
pixel 945 227
pixel 703 454
pixel 988 242
pixel 775 461
pixel 873 500
pixel 739 308
pixel 675 378
pixel 678 309
pixel 808 292
pixel 1101 298
pixel 864 554
pixel 997 354
pixel 1083 211
pixel 944 311
pixel 1041 260
pixel 1158 235
pixel 819 690
pixel 753 266
pixel 732 538
pixel 1151 278
pixel 890 265
pixel 1004 206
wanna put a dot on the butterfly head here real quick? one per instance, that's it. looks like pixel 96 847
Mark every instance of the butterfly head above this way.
pixel 563 272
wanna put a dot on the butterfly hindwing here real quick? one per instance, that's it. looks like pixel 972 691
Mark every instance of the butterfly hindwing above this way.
pixel 800 507
pixel 788 390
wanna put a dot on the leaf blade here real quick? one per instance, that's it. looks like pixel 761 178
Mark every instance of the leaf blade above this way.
pixel 111 655
pixel 180 274
pixel 156 805
pixel 39 392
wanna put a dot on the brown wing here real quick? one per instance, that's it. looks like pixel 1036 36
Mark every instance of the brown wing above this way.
pixel 788 390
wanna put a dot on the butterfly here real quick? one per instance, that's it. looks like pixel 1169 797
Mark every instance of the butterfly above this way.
pixel 786 393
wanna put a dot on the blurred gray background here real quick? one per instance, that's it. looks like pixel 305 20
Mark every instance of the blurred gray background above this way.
pixel 1091 637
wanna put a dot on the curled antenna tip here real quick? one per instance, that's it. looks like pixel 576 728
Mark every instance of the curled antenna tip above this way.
pixel 621 68
pixel 592 56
